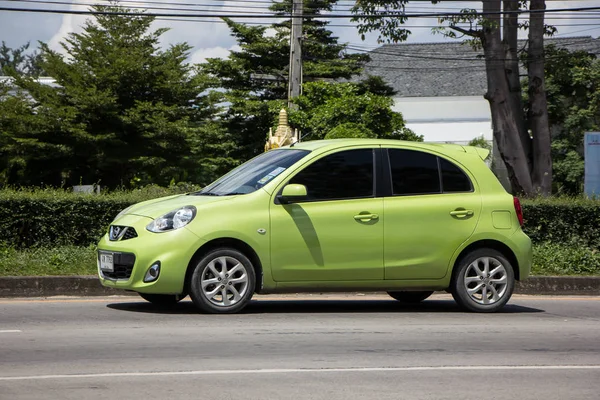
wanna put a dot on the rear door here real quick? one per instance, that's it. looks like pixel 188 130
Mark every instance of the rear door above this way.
pixel 433 208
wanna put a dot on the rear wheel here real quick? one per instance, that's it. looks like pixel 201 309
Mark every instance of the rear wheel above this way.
pixel 483 281
pixel 410 297
pixel 223 282
pixel 162 300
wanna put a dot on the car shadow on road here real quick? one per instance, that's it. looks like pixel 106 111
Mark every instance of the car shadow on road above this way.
pixel 320 306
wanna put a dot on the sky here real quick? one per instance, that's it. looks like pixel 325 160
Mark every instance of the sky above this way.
pixel 210 38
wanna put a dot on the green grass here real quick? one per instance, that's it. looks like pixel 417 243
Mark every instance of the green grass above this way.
pixel 64 260
pixel 549 259
pixel 565 259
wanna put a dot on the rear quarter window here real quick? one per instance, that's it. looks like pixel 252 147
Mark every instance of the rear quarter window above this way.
pixel 454 179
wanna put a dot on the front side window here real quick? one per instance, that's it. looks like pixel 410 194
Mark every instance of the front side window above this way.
pixel 344 175
pixel 414 172
pixel 254 174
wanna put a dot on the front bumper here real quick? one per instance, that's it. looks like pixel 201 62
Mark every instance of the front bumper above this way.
pixel 133 257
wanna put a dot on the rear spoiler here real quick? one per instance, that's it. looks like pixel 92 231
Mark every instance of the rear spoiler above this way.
pixel 481 152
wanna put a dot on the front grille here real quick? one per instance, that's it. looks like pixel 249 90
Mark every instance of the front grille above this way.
pixel 130 233
pixel 123 264
pixel 117 232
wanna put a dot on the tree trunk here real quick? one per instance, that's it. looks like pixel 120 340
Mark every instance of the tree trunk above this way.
pixel 504 116
pixel 509 39
pixel 538 110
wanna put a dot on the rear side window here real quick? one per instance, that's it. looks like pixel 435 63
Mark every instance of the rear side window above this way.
pixel 453 178
pixel 344 175
pixel 414 172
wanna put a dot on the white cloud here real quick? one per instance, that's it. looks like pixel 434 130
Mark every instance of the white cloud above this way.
pixel 70 24
pixel 201 55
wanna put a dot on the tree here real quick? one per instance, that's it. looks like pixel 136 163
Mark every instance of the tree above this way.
pixel 334 110
pixel 255 77
pixel 527 156
pixel 123 111
pixel 573 88
pixel 19 61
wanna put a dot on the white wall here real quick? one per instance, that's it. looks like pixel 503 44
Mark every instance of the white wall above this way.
pixel 446 119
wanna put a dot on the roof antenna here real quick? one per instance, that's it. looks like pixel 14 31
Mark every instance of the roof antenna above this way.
pixel 301 139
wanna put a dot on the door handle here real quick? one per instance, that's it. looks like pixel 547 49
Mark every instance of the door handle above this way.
pixel 366 217
pixel 461 213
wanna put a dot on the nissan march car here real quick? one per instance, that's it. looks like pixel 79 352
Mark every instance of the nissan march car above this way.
pixel 330 215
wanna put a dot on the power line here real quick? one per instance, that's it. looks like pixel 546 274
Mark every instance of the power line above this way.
pixel 353 26
pixel 427 56
pixel 347 7
pixel 285 15
pixel 583 30
pixel 129 7
pixel 143 8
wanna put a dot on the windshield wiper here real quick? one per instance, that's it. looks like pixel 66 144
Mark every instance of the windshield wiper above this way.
pixel 233 193
pixel 205 194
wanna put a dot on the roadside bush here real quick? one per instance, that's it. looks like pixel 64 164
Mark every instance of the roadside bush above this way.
pixel 53 217
pixel 574 221
pixel 565 259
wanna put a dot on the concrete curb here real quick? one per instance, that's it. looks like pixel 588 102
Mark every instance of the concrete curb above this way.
pixel 46 286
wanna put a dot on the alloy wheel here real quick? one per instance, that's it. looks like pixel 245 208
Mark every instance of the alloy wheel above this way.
pixel 486 280
pixel 224 281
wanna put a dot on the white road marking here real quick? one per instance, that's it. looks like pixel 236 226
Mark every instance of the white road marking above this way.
pixel 302 370
pixel 10 331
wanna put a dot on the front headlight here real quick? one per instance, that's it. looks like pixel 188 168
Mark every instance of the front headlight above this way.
pixel 173 220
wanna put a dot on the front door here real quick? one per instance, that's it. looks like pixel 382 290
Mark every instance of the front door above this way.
pixel 336 233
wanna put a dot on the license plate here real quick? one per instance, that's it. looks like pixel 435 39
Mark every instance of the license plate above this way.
pixel 106 262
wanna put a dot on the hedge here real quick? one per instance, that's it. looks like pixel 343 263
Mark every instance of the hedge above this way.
pixel 51 217
pixel 34 218
pixel 563 220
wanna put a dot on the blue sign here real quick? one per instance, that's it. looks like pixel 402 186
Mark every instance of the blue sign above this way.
pixel 592 164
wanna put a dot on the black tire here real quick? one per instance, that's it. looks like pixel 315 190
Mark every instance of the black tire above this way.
pixel 162 300
pixel 469 275
pixel 410 297
pixel 242 281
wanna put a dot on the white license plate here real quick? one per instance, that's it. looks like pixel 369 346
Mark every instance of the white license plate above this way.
pixel 106 262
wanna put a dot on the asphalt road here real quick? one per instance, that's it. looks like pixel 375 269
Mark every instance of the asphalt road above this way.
pixel 365 347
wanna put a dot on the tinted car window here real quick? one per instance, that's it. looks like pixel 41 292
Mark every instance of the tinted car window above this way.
pixel 343 175
pixel 453 178
pixel 414 172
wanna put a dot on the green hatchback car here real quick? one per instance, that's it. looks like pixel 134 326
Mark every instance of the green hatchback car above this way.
pixel 330 215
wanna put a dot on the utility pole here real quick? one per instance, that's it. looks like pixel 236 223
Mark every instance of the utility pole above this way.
pixel 295 73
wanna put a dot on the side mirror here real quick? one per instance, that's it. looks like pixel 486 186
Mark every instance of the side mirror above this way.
pixel 292 193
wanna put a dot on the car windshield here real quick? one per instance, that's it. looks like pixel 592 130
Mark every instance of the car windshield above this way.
pixel 253 174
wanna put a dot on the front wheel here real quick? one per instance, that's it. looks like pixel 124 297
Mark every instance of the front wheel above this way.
pixel 484 281
pixel 223 282
pixel 162 300
pixel 410 297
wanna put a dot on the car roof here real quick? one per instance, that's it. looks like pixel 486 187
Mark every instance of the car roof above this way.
pixel 333 143
pixel 439 147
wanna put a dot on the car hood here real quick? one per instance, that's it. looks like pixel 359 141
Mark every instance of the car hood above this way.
pixel 157 207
